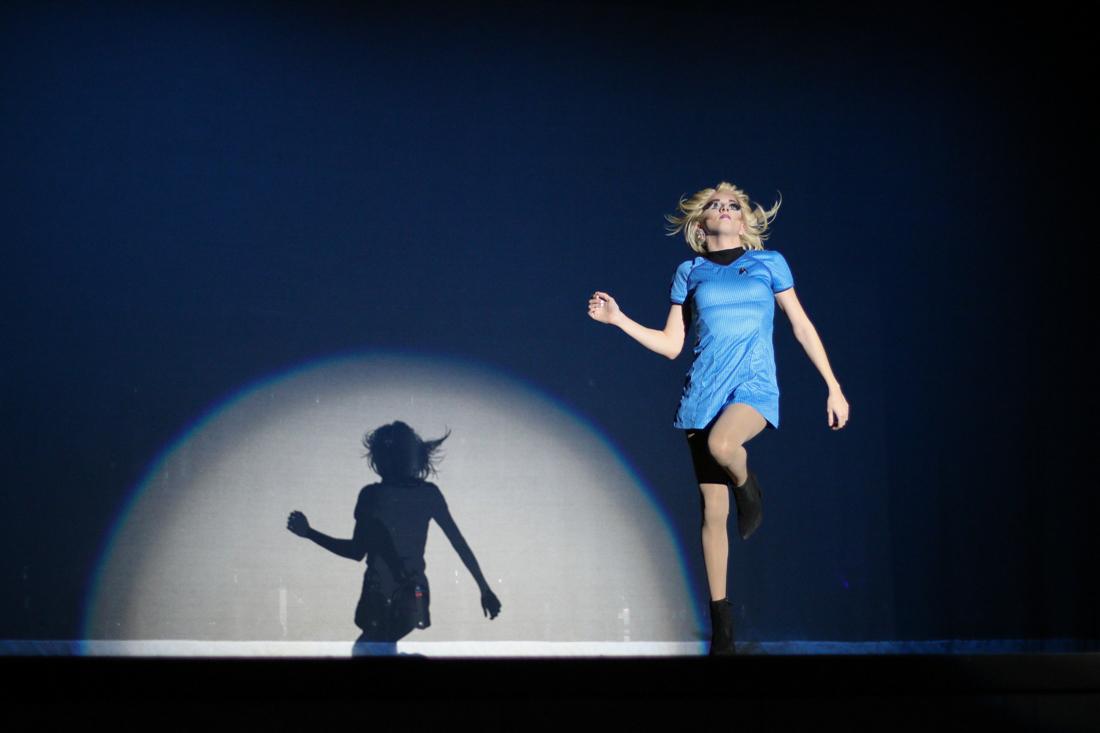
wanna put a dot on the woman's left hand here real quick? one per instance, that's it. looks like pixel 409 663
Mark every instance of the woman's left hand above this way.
pixel 836 408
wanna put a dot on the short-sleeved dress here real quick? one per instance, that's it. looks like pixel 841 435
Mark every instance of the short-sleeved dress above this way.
pixel 732 308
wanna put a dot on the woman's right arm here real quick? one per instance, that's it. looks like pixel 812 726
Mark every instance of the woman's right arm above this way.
pixel 669 342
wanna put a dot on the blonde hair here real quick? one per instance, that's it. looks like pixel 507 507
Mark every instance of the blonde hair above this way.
pixel 691 209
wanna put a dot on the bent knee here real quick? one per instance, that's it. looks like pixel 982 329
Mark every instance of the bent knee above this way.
pixel 724 450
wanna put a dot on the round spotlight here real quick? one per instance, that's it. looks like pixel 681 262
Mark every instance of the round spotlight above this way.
pixel 569 539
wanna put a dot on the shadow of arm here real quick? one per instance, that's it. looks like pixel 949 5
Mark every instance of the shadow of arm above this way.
pixel 353 549
pixel 447 524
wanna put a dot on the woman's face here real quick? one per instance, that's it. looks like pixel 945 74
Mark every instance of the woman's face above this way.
pixel 722 214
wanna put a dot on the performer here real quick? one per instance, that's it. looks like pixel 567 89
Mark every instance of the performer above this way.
pixel 730 392
pixel 391 529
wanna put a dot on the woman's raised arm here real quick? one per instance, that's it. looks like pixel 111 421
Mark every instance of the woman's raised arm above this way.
pixel 669 342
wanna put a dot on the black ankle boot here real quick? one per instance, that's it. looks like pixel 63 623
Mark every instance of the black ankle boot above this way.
pixel 750 506
pixel 721 625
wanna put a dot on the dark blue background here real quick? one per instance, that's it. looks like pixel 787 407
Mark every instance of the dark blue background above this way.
pixel 200 197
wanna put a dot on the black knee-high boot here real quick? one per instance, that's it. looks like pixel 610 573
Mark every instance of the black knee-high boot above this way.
pixel 750 506
pixel 721 625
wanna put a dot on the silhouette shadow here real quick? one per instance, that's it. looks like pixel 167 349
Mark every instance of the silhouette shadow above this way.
pixel 391 529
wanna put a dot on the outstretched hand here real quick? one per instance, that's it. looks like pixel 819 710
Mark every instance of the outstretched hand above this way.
pixel 836 408
pixel 297 523
pixel 490 604
pixel 603 308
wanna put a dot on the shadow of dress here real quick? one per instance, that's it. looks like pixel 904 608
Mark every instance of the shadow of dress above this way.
pixel 392 517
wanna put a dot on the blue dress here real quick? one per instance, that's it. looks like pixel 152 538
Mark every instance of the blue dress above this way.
pixel 732 308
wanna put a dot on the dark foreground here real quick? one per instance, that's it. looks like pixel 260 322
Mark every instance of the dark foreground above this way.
pixel 1011 692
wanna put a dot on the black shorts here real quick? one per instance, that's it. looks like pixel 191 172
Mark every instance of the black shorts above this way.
pixel 707 470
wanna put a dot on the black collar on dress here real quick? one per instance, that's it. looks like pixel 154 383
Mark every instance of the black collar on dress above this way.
pixel 724 256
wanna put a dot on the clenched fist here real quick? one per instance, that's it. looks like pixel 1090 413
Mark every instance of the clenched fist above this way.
pixel 603 308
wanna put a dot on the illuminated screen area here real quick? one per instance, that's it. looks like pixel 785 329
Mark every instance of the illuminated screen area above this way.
pixel 569 539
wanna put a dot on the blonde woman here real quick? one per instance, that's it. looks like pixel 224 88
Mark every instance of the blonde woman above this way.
pixel 728 292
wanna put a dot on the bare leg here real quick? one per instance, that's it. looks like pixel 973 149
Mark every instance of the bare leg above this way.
pixel 716 508
pixel 737 425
